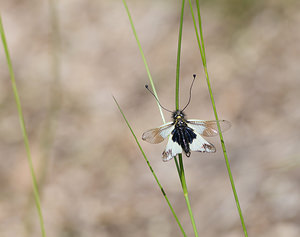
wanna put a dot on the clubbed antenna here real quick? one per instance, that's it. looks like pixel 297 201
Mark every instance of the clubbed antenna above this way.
pixel 194 75
pixel 157 99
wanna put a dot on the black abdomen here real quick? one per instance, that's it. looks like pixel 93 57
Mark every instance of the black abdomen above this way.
pixel 184 136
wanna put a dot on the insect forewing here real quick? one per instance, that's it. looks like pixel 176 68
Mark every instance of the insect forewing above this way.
pixel 208 128
pixel 157 135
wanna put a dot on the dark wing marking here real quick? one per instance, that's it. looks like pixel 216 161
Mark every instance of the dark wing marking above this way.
pixel 157 135
pixel 201 145
pixel 208 128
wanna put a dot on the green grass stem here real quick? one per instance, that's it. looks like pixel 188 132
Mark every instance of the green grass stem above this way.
pixel 202 53
pixel 178 56
pixel 164 121
pixel 151 169
pixel 49 128
pixel 185 193
pixel 180 168
pixel 48 135
pixel 179 165
pixel 144 58
pixel 23 128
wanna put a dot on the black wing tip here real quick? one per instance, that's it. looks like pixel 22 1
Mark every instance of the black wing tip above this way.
pixel 229 123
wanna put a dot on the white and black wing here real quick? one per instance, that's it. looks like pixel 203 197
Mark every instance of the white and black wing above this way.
pixel 157 135
pixel 208 128
pixel 172 149
pixel 201 145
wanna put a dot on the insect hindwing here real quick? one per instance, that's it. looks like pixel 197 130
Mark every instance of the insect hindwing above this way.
pixel 201 145
pixel 172 149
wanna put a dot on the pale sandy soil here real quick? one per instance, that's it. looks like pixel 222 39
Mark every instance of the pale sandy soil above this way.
pixel 96 182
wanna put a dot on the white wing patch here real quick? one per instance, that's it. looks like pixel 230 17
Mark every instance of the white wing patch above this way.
pixel 157 135
pixel 201 145
pixel 172 149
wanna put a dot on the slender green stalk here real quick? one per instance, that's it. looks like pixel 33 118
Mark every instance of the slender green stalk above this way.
pixel 179 166
pixel 153 88
pixel 180 169
pixel 185 193
pixel 151 169
pixel 23 128
pixel 178 74
pixel 202 52
pixel 48 134
pixel 203 56
pixel 144 59
pixel 178 56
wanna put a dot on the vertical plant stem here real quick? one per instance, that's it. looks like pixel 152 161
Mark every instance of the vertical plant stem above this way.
pixel 153 88
pixel 151 169
pixel 143 57
pixel 48 134
pixel 202 52
pixel 185 193
pixel 180 169
pixel 23 128
pixel 203 56
pixel 178 56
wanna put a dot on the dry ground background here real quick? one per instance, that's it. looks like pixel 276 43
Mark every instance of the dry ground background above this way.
pixel 94 181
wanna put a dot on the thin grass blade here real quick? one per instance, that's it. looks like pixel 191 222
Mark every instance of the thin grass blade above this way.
pixel 49 128
pixel 144 58
pixel 180 166
pixel 151 169
pixel 178 55
pixel 23 128
pixel 203 57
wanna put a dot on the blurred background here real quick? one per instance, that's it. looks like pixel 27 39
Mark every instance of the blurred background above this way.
pixel 69 57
